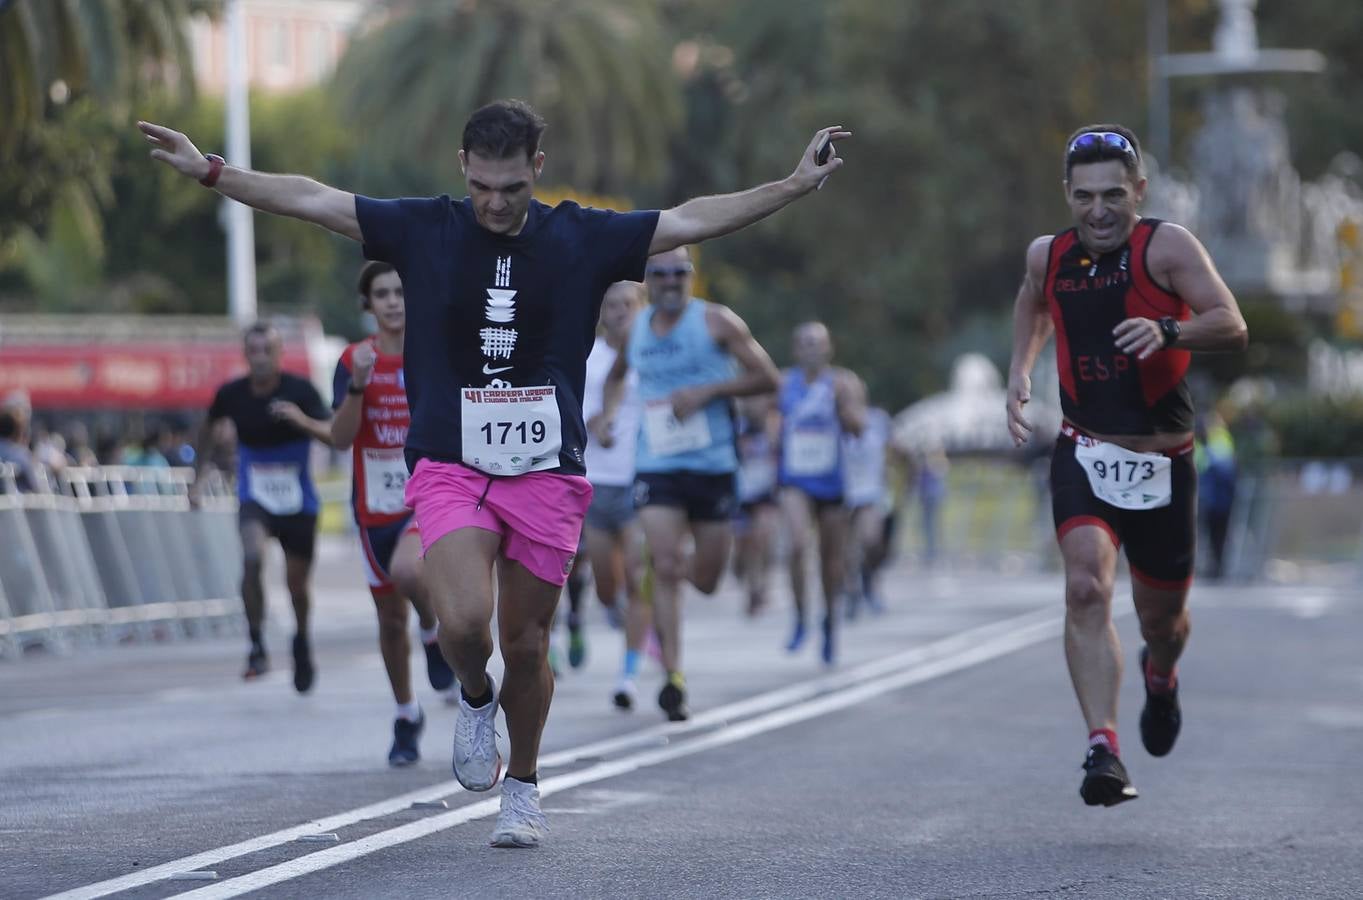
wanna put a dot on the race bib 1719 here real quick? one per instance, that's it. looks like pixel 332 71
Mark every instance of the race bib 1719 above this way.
pixel 511 431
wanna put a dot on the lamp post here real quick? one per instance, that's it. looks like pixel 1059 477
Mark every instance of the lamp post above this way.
pixel 241 238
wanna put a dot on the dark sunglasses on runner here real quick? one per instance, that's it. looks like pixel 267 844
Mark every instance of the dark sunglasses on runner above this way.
pixel 1101 140
pixel 663 272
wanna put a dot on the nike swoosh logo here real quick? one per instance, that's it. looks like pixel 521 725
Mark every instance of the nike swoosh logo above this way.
pixel 488 370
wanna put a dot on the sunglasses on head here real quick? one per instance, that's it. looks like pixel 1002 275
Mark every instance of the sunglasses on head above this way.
pixel 662 272
pixel 1101 140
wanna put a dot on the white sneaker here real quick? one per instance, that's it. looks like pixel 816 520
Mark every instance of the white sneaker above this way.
pixel 520 823
pixel 477 761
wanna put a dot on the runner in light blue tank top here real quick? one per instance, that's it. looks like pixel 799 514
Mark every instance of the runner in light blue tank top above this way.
pixel 692 359
pixel 686 356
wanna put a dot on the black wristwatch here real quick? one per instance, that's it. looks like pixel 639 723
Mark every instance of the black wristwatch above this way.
pixel 356 390
pixel 1170 328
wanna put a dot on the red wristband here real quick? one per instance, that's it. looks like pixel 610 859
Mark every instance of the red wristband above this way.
pixel 215 164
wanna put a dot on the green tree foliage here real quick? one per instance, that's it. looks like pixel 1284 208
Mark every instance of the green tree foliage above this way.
pixel 1323 109
pixel 960 112
pixel 912 254
pixel 112 49
pixel 1319 426
pixel 70 71
pixel 596 69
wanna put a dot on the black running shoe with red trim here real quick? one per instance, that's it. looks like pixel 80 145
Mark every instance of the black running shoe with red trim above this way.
pixel 1105 780
pixel 1162 716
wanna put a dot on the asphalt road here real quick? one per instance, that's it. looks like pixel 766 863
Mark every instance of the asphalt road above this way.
pixel 940 758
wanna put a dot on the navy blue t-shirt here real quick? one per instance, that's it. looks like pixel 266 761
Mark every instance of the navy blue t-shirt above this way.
pixel 489 311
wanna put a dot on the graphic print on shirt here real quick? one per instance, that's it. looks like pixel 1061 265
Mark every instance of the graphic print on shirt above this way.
pixel 507 430
pixel 499 343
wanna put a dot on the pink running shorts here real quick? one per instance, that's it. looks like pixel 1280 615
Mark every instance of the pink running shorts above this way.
pixel 539 515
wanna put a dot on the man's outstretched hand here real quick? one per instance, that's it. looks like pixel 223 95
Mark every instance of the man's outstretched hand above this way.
pixel 175 150
pixel 809 174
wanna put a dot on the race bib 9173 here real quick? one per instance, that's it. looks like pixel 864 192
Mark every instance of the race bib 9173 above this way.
pixel 1126 479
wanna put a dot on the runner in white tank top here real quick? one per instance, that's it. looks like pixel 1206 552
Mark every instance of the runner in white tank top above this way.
pixel 612 537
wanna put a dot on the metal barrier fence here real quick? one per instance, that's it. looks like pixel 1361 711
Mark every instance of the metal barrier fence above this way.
pixel 1292 520
pixel 115 552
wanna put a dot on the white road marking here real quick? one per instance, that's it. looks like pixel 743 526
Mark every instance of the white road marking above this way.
pixel 663 733
pixel 882 684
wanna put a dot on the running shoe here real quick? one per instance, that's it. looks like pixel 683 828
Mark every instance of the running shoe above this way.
pixel 827 652
pixel 672 699
pixel 871 595
pixel 577 648
pixel 1105 779
pixel 1162 716
pixel 257 663
pixel 625 693
pixel 406 733
pixel 437 670
pixel 304 673
pixel 477 761
pixel 797 638
pixel 521 823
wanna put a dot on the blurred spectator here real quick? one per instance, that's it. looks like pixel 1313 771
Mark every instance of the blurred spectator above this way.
pixel 18 405
pixel 78 445
pixel 1255 440
pixel 174 444
pixel 147 452
pixel 933 467
pixel 1214 454
pixel 16 453
pixel 49 449
pixel 108 450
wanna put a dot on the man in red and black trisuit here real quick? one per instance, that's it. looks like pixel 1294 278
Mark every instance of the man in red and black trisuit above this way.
pixel 1128 298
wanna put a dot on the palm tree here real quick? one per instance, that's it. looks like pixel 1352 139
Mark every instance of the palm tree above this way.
pixel 52 50
pixel 597 70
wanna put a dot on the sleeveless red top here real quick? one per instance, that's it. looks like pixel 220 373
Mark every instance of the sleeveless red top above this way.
pixel 1103 389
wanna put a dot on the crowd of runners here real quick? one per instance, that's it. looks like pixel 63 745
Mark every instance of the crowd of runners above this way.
pixel 547 403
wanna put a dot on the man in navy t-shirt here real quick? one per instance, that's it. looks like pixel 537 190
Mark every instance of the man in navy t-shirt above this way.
pixel 502 300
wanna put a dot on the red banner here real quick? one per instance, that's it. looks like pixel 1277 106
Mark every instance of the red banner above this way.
pixel 128 376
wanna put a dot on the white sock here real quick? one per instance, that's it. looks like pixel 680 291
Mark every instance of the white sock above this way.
pixel 428 634
pixel 409 711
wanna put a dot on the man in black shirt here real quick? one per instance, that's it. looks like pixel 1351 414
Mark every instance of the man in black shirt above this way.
pixel 274 487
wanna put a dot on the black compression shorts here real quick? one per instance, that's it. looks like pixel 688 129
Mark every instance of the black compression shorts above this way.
pixel 1160 543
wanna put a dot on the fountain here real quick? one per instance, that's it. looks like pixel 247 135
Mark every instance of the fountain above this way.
pixel 1270 233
